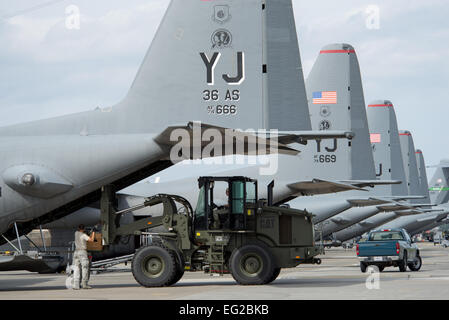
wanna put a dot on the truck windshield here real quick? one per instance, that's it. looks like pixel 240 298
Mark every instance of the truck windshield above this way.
pixel 386 235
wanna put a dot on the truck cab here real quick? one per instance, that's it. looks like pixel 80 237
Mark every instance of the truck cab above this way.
pixel 389 248
pixel 225 203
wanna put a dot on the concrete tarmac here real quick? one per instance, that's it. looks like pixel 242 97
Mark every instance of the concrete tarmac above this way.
pixel 338 277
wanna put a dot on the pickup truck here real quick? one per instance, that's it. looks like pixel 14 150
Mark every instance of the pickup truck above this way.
pixel 388 248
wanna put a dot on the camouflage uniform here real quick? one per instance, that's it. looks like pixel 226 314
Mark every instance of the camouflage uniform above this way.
pixel 80 261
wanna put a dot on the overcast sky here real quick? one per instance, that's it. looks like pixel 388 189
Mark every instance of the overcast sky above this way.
pixel 48 70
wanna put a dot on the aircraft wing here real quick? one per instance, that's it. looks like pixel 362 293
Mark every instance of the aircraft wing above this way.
pixel 371 183
pixel 318 186
pixel 182 135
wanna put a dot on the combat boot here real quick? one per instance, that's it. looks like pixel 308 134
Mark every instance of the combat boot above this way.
pixel 85 286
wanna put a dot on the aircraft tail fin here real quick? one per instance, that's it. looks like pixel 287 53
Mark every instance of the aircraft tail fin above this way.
pixel 384 138
pixel 336 102
pixel 410 164
pixel 422 177
pixel 222 63
pixel 439 184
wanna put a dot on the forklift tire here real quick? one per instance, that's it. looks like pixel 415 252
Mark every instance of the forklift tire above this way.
pixel 276 273
pixel 154 266
pixel 252 264
pixel 180 265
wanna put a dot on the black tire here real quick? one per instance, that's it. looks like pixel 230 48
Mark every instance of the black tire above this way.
pixel 403 263
pixel 180 268
pixel 381 268
pixel 275 274
pixel 154 266
pixel 416 264
pixel 252 264
pixel 363 267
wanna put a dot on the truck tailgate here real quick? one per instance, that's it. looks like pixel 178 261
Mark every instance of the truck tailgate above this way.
pixel 377 248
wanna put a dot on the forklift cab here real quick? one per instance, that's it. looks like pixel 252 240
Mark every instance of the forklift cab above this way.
pixel 234 213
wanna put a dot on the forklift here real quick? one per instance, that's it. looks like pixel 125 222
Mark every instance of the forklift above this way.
pixel 249 238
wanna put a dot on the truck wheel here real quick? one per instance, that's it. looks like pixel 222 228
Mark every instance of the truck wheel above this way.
pixel 154 266
pixel 363 267
pixel 403 263
pixel 252 264
pixel 179 270
pixel 381 268
pixel 276 273
pixel 416 264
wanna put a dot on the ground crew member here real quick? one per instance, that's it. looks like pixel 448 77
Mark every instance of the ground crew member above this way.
pixel 80 258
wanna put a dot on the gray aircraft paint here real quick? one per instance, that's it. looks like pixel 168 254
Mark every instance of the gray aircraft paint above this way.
pixel 439 184
pixel 77 154
pixel 280 90
pixel 343 69
pixel 439 220
pixel 418 221
pixel 438 192
pixel 422 176
pixel 386 149
pixel 342 63
pixel 337 69
pixel 410 164
pixel 285 80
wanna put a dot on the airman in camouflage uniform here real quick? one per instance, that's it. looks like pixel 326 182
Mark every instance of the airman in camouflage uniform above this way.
pixel 81 259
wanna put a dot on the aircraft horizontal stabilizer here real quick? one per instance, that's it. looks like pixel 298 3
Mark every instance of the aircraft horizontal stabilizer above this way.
pixel 317 186
pixel 339 220
pixel 217 140
pixel 303 136
pixel 366 224
pixel 423 205
pixel 366 202
pixel 393 207
pixel 431 210
pixel 429 218
pixel 371 183
pixel 406 197
pixel 410 212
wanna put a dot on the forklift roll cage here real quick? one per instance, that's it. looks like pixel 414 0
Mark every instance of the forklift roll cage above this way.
pixel 242 199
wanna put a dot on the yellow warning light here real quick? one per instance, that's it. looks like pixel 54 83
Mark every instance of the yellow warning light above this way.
pixel 250 212
pixel 198 234
pixel 150 222
pixel 298 257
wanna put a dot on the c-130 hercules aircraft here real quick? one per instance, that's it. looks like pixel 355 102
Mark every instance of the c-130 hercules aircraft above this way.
pixel 203 65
